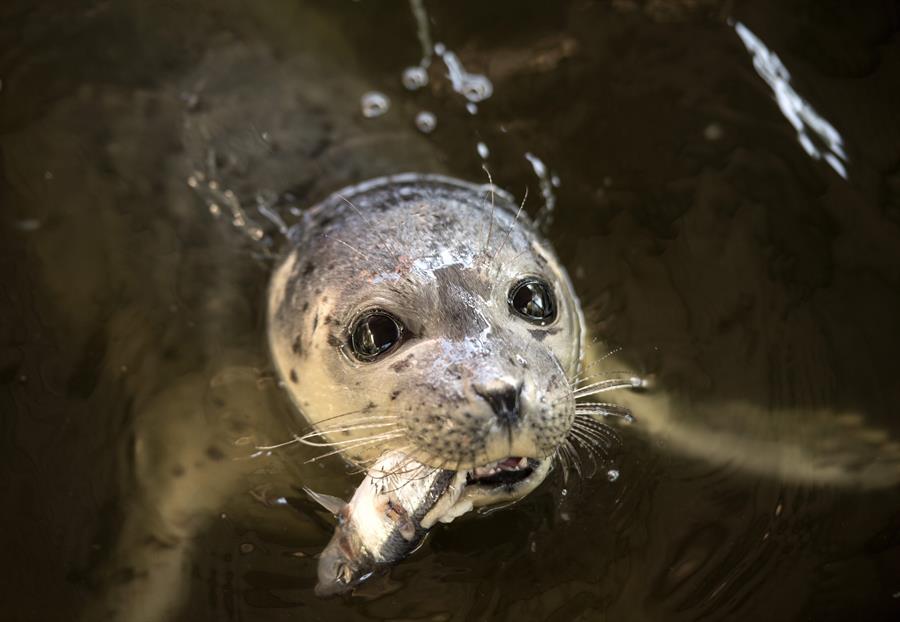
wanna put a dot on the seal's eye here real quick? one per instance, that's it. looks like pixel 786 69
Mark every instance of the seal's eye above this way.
pixel 373 334
pixel 533 299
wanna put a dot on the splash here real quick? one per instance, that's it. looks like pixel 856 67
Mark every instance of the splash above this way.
pixel 547 183
pixel 808 123
pixel 473 86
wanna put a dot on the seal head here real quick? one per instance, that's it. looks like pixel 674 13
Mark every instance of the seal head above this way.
pixel 425 314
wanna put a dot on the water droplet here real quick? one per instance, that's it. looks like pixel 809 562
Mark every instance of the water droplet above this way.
pixel 713 132
pixel 192 181
pixel 48 175
pixel 483 151
pixel 612 475
pixel 374 104
pixel 214 209
pixel 477 88
pixel 246 547
pixel 414 78
pixel 426 122
pixel 564 492
pixel 628 418
pixel 28 224
pixel 472 108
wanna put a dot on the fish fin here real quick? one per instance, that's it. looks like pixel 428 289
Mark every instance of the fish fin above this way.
pixel 331 503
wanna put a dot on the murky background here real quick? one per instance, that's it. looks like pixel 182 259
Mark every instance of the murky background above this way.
pixel 722 180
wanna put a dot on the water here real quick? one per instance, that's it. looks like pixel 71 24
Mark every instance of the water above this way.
pixel 726 187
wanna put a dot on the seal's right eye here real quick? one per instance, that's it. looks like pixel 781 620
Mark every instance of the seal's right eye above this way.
pixel 374 334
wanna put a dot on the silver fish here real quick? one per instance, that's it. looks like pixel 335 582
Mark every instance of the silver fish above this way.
pixel 387 519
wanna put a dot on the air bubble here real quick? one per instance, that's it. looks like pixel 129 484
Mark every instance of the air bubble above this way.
pixel 374 104
pixel 612 475
pixel 426 122
pixel 214 209
pixel 483 151
pixel 472 108
pixel 414 78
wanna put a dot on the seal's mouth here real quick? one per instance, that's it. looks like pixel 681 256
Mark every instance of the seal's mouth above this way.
pixel 506 473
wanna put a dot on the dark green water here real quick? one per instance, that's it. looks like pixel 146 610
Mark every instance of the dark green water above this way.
pixel 728 204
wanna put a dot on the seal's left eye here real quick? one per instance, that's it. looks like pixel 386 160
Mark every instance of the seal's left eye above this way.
pixel 374 334
pixel 533 299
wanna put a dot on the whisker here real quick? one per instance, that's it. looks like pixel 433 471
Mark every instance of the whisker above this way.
pixel 573 456
pixel 348 441
pixel 358 411
pixel 295 439
pixel 348 428
pixel 298 438
pixel 606 385
pixel 352 248
pixel 599 360
pixel 590 447
pixel 604 409
pixel 369 441
pixel 605 374
pixel 487 242
pixel 360 468
pixel 563 463
pixel 599 431
pixel 511 227
pixel 366 218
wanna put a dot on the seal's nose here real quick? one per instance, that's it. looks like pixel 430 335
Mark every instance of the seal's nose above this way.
pixel 503 399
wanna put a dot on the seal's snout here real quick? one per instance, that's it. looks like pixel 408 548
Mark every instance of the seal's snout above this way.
pixel 504 398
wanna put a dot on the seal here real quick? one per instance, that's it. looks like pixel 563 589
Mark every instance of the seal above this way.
pixel 424 314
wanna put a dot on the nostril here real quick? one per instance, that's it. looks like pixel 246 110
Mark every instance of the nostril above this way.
pixel 503 398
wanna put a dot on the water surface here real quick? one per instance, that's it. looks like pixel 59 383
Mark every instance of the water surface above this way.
pixel 722 179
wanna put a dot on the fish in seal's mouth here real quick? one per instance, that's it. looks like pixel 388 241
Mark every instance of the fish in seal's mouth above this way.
pixel 399 501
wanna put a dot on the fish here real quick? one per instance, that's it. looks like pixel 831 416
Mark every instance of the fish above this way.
pixel 386 520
